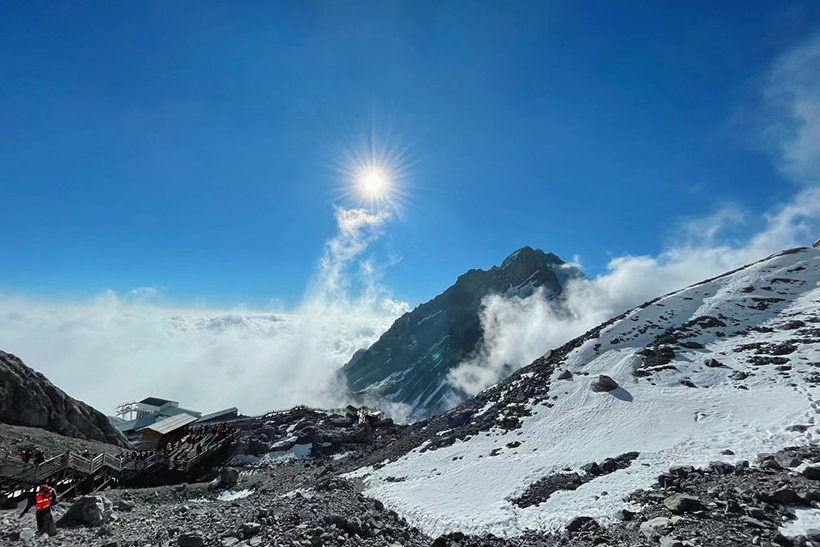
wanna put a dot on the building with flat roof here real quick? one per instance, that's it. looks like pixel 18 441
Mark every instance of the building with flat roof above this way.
pixel 147 415
pixel 168 430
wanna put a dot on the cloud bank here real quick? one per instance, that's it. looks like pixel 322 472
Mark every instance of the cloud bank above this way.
pixel 121 347
pixel 518 331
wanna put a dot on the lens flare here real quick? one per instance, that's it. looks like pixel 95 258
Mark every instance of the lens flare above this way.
pixel 374 173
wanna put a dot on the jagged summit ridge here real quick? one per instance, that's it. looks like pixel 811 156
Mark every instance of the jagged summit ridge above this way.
pixel 410 362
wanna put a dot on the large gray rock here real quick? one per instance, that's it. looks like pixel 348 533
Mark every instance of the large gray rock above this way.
pixel 581 522
pixel 27 398
pixel 87 511
pixel 604 383
pixel 655 526
pixel 681 503
pixel 410 359
pixel 191 539
pixel 228 477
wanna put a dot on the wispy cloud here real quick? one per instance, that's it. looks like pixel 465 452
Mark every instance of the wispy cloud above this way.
pixel 122 347
pixel 792 96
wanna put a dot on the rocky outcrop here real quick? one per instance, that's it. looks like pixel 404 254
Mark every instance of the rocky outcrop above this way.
pixel 410 362
pixel 88 511
pixel 604 383
pixel 28 398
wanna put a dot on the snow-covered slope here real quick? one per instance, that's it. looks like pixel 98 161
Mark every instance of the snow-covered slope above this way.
pixel 728 365
pixel 410 362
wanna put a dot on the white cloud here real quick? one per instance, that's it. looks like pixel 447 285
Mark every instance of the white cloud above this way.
pixel 793 97
pixel 119 348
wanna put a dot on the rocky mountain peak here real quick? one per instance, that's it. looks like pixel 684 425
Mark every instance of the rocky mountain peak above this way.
pixel 410 362
pixel 528 258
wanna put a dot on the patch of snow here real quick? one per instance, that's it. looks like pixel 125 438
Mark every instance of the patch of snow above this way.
pixel 806 519
pixel 230 495
pixel 428 317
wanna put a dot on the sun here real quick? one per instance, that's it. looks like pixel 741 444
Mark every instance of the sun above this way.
pixel 374 172
pixel 373 183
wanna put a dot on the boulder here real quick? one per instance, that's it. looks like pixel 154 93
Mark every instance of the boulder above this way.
pixel 284 444
pixel 251 529
pixel 783 496
pixel 609 465
pixel 625 515
pixel 681 503
pixel 125 506
pixel 604 383
pixel 591 468
pixel 191 539
pixel 88 511
pixel 681 471
pixel 816 244
pixel 566 375
pixel 812 472
pixel 228 477
pixel 713 363
pixel 459 418
pixel 257 447
pixel 581 522
pixel 655 526
pixel 721 468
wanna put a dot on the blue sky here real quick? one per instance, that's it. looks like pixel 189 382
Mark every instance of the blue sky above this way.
pixel 191 146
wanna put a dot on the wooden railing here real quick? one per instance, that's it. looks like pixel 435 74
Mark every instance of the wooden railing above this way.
pixel 16 473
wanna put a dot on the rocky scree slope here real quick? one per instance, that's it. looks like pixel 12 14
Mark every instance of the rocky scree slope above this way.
pixel 723 370
pixel 28 398
pixel 303 502
pixel 410 362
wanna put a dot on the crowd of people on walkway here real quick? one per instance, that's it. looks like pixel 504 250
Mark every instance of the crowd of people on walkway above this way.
pixel 32 456
pixel 198 440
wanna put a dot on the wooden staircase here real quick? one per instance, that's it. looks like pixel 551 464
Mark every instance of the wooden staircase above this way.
pixel 16 475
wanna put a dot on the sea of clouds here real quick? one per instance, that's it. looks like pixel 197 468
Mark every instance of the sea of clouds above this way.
pixel 120 348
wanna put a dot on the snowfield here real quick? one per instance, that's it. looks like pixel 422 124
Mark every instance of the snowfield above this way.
pixel 762 321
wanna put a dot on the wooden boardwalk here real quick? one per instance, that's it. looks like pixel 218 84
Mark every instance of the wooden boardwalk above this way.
pixel 16 475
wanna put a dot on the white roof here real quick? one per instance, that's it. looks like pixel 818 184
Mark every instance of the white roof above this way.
pixel 171 424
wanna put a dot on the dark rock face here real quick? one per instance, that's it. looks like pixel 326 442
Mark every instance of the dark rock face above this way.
pixel 410 362
pixel 29 399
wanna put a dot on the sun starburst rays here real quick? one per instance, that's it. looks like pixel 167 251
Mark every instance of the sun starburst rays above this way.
pixel 374 174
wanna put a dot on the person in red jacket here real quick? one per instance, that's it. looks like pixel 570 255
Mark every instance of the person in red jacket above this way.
pixel 43 501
